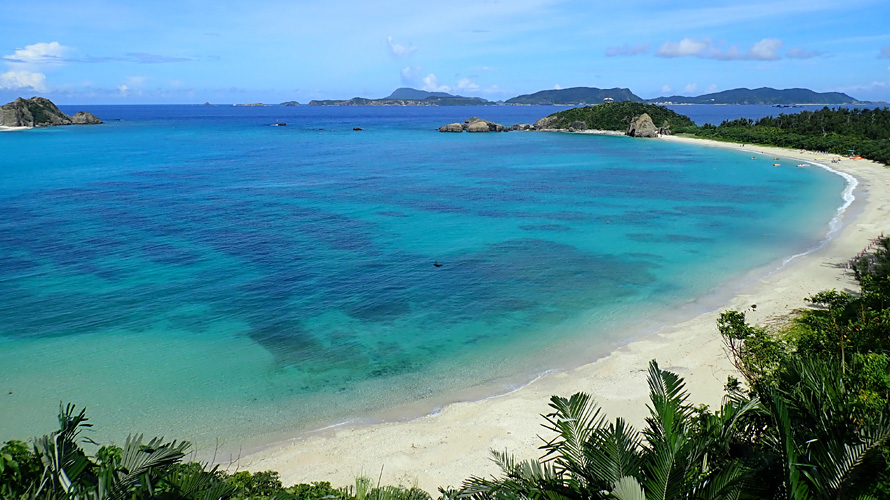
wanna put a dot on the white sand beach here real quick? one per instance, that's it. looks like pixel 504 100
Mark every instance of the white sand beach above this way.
pixel 12 129
pixel 445 448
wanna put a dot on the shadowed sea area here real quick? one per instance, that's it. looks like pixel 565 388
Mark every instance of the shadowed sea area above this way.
pixel 194 272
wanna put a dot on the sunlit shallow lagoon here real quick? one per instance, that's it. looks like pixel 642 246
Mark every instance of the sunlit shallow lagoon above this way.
pixel 193 272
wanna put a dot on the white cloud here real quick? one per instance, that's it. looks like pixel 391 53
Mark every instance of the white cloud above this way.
pixel 124 90
pixel 764 50
pixel 20 79
pixel 397 49
pixel 431 84
pixel 557 86
pixel 410 75
pixel 466 84
pixel 26 66
pixel 486 68
pixel 666 89
pixel 627 50
pixel 38 53
pixel 685 47
pixel 691 87
pixel 711 88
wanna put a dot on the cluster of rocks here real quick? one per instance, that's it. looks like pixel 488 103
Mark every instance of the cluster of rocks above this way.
pixel 640 126
pixel 40 112
pixel 476 124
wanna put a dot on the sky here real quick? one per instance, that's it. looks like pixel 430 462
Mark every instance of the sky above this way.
pixel 224 51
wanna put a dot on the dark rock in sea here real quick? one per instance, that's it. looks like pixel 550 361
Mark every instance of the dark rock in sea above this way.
pixel 522 126
pixel 357 129
pixel 39 112
pixel 84 118
pixel 642 126
pixel 451 127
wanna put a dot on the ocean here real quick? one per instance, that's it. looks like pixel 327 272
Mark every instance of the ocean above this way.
pixel 193 272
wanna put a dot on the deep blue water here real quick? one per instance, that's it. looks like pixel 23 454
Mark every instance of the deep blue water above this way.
pixel 194 272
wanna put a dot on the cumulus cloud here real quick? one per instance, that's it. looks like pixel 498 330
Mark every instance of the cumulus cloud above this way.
pixel 764 50
pixel 410 75
pixel 467 84
pixel 27 65
pixel 884 53
pixel 691 87
pixel 666 89
pixel 431 84
pixel 124 90
pixel 557 86
pixel 628 50
pixel 20 79
pixel 486 68
pixel 37 54
pixel 398 49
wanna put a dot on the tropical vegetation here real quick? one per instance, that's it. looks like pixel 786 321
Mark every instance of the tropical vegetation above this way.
pixel 840 131
pixel 617 116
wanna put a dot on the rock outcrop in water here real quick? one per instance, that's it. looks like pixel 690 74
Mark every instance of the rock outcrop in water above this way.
pixel 476 124
pixel 642 126
pixel 40 112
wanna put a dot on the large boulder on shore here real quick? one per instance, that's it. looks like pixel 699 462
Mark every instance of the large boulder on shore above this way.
pixel 544 123
pixel 451 127
pixel 39 112
pixel 642 126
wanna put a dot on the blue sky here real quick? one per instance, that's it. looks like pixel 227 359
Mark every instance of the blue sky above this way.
pixel 190 51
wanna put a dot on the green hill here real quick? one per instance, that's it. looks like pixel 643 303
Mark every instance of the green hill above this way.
pixel 763 95
pixel 575 95
pixel 414 94
pixel 617 116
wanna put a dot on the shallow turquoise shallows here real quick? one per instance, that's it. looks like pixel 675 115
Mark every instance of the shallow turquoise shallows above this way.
pixel 196 273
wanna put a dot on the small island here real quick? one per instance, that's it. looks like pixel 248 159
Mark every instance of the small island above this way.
pixel 40 112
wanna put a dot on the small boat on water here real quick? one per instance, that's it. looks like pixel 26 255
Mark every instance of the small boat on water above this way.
pixel 279 124
pixel 801 165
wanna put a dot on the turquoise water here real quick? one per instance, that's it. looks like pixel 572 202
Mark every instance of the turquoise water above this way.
pixel 195 273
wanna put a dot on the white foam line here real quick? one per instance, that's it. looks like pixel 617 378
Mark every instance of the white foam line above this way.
pixel 836 223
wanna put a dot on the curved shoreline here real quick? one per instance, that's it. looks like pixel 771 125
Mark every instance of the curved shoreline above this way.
pixel 449 445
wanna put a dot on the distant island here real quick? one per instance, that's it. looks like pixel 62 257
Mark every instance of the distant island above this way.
pixel 763 95
pixel 574 96
pixel 409 97
pixel 41 112
pixel 289 103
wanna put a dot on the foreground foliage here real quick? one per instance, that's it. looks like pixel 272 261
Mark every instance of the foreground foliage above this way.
pixel 56 467
pixel 811 420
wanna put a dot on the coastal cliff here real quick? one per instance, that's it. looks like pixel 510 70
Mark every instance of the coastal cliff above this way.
pixel 40 112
